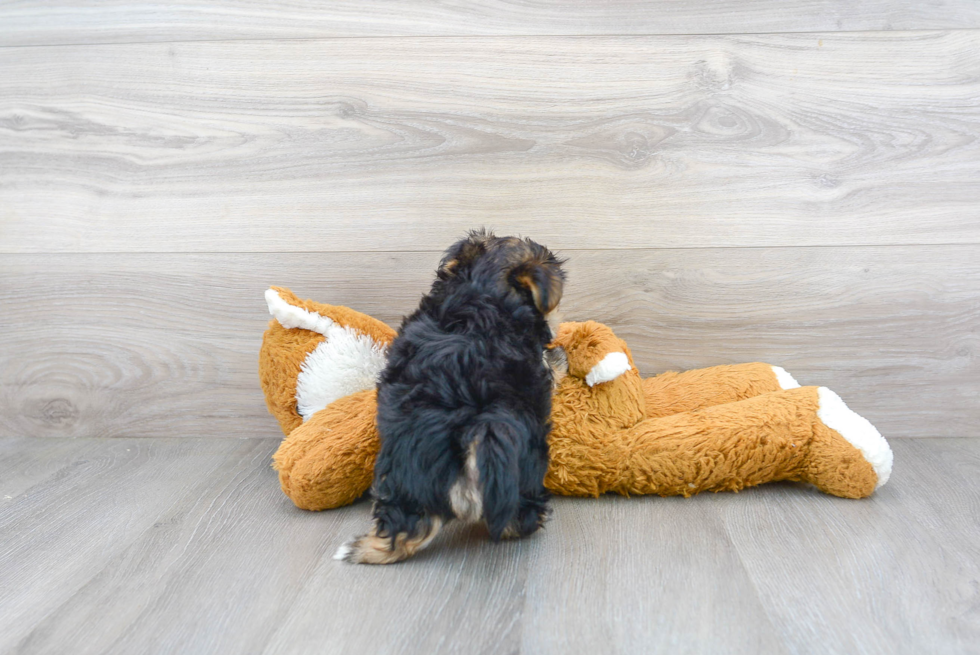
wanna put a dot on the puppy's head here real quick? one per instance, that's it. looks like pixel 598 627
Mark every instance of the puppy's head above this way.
pixel 462 255
pixel 517 265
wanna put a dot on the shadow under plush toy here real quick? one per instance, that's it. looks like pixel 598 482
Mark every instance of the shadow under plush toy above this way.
pixel 715 429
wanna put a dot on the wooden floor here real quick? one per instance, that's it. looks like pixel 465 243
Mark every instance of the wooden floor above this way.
pixel 792 181
pixel 187 545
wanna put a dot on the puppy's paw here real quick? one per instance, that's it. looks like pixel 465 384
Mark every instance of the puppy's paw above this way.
pixel 374 549
pixel 368 549
pixel 530 521
pixel 344 553
pixel 510 532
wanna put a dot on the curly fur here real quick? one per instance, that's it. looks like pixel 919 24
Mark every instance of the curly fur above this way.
pixel 465 400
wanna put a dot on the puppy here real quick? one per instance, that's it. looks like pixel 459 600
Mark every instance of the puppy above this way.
pixel 465 400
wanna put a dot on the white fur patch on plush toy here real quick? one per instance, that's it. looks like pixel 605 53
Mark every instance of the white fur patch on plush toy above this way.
pixel 858 431
pixel 785 380
pixel 611 367
pixel 346 362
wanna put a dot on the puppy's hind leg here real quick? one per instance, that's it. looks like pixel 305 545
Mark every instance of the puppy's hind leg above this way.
pixel 533 510
pixel 381 546
pixel 531 516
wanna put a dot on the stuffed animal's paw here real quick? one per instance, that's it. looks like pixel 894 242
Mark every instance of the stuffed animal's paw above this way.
pixel 608 369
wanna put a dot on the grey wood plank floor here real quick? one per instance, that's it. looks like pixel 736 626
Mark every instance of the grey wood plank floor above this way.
pixel 187 545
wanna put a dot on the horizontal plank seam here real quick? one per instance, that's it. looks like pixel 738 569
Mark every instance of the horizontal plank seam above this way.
pixel 489 36
pixel 438 251
pixel 270 439
pixel 179 439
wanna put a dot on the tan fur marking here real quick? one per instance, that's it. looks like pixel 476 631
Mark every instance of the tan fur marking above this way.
pixel 466 495
pixel 525 280
pixel 554 321
pixel 556 360
pixel 510 532
pixel 373 549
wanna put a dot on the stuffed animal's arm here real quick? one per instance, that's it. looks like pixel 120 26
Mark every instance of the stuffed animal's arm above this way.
pixel 672 393
pixel 593 352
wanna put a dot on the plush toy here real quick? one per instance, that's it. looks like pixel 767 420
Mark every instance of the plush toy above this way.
pixel 716 429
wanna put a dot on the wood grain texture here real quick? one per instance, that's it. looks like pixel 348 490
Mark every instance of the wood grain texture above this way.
pixel 87 21
pixel 465 596
pixel 166 345
pixel 911 535
pixel 185 584
pixel 25 461
pixel 367 144
pixel 210 557
pixel 652 574
pixel 63 530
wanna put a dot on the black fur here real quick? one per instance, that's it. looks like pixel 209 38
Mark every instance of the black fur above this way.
pixel 467 365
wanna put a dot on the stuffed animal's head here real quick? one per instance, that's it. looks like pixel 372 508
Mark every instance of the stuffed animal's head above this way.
pixel 313 354
pixel 599 399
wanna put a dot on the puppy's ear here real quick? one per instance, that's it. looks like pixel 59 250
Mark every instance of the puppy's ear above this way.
pixel 463 253
pixel 544 279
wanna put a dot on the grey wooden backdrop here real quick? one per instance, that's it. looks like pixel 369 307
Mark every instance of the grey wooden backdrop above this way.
pixel 730 183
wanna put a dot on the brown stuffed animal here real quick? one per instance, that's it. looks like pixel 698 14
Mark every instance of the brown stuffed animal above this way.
pixel 716 429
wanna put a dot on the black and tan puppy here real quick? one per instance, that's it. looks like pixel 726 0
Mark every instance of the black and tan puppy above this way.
pixel 465 400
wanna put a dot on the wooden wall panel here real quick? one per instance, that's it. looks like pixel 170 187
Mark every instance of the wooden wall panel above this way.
pixel 166 345
pixel 106 21
pixel 389 145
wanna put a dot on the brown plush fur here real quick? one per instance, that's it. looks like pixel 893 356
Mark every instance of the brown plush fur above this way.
pixel 717 429
pixel 670 393
pixel 329 460
pixel 341 315
pixel 280 360
pixel 722 448
pixel 283 352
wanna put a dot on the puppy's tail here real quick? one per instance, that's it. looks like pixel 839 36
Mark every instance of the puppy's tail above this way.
pixel 497 445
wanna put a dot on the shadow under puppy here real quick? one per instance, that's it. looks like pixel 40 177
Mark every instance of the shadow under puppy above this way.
pixel 465 400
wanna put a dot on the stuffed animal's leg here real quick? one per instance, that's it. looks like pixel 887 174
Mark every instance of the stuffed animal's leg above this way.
pixel 805 434
pixel 328 461
pixel 671 393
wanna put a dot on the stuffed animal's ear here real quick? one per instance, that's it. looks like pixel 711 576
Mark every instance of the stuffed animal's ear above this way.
pixel 544 279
